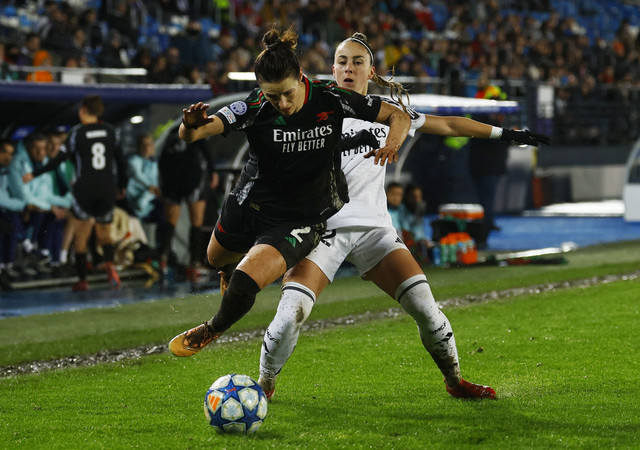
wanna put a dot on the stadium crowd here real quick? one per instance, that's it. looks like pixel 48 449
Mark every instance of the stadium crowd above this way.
pixel 178 41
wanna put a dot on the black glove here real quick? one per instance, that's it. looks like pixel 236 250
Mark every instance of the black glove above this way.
pixel 524 137
pixel 362 137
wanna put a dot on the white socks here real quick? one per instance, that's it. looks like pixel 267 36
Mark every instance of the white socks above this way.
pixel 296 302
pixel 415 296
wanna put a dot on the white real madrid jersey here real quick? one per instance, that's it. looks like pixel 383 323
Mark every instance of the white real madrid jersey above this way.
pixel 367 204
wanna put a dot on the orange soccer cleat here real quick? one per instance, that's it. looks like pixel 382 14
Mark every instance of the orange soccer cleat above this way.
pixel 192 341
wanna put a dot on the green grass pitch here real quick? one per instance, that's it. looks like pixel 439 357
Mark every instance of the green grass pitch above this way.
pixel 564 365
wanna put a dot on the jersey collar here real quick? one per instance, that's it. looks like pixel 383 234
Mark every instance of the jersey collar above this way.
pixel 307 89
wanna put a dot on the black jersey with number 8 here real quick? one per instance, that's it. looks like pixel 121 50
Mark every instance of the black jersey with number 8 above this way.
pixel 95 150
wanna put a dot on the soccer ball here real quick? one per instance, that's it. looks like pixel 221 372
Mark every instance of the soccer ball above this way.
pixel 235 404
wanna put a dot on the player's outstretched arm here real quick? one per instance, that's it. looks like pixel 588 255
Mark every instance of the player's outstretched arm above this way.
pixel 196 124
pixel 465 127
pixel 52 164
pixel 399 123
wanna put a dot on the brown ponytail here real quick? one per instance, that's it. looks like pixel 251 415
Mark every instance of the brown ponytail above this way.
pixel 278 60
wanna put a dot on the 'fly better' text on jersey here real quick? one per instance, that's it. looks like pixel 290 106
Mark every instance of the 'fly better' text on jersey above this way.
pixel 293 174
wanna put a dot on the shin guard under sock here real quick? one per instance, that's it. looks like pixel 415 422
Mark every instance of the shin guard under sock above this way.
pixel 281 337
pixel 238 299
pixel 415 296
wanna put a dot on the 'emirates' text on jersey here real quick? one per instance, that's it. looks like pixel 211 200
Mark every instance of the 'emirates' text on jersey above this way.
pixel 366 181
pixel 293 174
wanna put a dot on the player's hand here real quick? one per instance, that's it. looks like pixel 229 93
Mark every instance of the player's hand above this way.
pixel 27 177
pixel 196 116
pixel 384 155
pixel 524 137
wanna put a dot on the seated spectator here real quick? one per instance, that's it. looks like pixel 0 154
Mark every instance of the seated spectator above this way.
pixel 407 209
pixel 190 74
pixel 60 233
pixel 174 61
pixel 56 30
pixel 42 58
pixel 94 31
pixel 159 73
pixel 395 192
pixel 11 210
pixel 121 20
pixel 194 46
pixel 114 53
pixel 5 73
pixel 28 50
pixel 77 46
pixel 39 193
pixel 143 58
pixel 143 191
pixel 412 211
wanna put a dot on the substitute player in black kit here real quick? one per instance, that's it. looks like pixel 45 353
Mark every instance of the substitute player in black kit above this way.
pixel 178 158
pixel 95 148
pixel 292 182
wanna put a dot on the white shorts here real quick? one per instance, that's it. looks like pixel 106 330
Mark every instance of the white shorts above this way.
pixel 364 247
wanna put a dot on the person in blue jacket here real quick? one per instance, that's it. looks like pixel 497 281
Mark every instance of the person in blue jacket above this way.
pixel 144 196
pixel 11 211
pixel 31 155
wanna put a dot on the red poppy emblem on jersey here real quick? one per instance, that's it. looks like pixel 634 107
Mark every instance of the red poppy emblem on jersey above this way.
pixel 324 115
pixel 220 229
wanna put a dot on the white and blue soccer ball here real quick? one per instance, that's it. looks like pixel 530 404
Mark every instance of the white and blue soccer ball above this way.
pixel 235 404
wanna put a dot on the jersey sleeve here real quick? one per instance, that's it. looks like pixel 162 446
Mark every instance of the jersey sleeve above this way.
pixel 356 105
pixel 417 119
pixel 240 114
pixel 52 163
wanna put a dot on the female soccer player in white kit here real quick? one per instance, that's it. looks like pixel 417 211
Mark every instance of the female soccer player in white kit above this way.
pixel 363 234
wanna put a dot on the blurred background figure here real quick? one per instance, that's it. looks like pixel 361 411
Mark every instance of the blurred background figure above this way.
pixel 488 159
pixel 48 207
pixel 59 232
pixel 412 211
pixel 395 193
pixel 144 197
pixel 11 210
pixel 42 58
pixel 95 147
pixel 176 159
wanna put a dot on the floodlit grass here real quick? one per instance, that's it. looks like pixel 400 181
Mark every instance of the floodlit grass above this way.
pixel 90 331
pixel 564 365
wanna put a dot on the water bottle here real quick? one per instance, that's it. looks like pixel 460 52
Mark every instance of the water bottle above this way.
pixel 436 255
